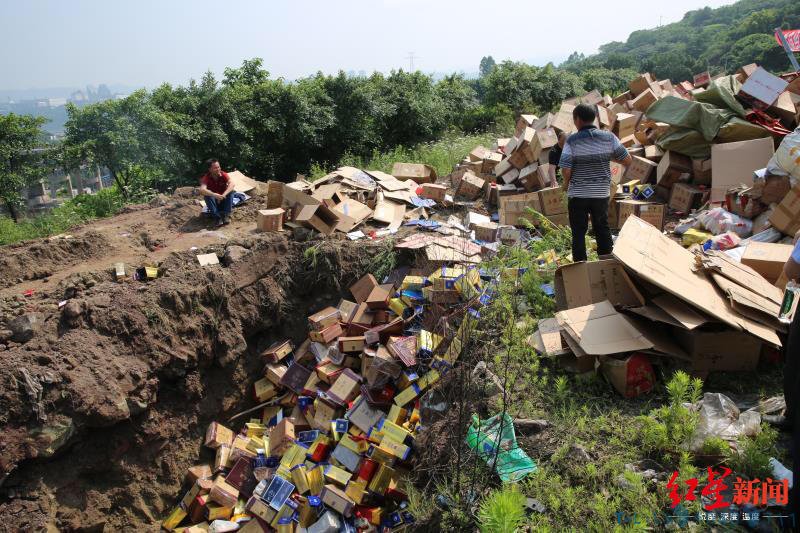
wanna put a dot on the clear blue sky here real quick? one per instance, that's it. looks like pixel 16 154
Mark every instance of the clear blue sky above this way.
pixel 51 43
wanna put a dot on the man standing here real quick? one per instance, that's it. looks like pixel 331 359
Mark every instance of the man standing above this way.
pixel 217 187
pixel 586 169
pixel 555 156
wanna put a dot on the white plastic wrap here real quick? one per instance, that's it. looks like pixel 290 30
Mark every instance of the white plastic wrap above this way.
pixel 786 161
pixel 718 221
pixel 719 417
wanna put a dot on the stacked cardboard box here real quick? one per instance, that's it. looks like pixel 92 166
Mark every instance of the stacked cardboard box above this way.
pixel 338 415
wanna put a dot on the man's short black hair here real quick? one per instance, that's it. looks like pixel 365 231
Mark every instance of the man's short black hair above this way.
pixel 211 161
pixel 585 113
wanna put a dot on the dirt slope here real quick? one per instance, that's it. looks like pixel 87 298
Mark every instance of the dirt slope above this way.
pixel 103 409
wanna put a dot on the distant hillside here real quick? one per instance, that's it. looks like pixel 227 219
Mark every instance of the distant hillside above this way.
pixel 719 39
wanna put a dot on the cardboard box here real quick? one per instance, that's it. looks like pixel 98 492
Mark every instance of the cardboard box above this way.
pixel 217 435
pixel 318 217
pixel 598 329
pixel 433 191
pixel 561 219
pixel 471 186
pixel 345 388
pixel 650 212
pixel 322 319
pixel 584 283
pixel 530 178
pixel 685 197
pixel 767 258
pixel 278 351
pixel 553 201
pixel 379 297
pixel 640 84
pixel 490 162
pixel 632 376
pixel 644 100
pixel 641 169
pixel 656 259
pixel 513 208
pixel 733 164
pixel 625 125
pixel 415 172
pixel 564 122
pixel 654 153
pixel 672 168
pixel 362 288
pixel 543 174
pixel 786 216
pixel 486 232
pixel 764 86
pixel 702 79
pixel 724 351
pixel 701 171
pixel 270 219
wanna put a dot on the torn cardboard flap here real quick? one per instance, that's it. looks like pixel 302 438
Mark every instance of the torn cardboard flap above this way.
pixel 242 183
pixel 657 259
pixel 761 308
pixel 740 274
pixel 684 315
pixel 600 330
pixel 389 212
pixel 549 332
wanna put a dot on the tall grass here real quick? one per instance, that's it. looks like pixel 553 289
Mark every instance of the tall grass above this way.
pixel 442 155
pixel 59 219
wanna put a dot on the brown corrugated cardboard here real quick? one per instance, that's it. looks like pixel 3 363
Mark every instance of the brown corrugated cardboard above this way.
pixel 685 197
pixel 513 208
pixel 644 100
pixel 584 283
pixel 641 169
pixel 733 164
pixel 657 259
pixel 433 191
pixel 672 168
pixel 786 216
pixel 631 376
pixel 767 258
pixel 318 217
pixel 270 219
pixel 625 125
pixel 553 201
pixel 471 186
pixel 701 171
pixel 415 172
pixel 600 330
pixel 719 350
pixel 650 212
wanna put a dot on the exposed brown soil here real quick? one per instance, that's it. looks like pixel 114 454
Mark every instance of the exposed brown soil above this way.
pixel 103 409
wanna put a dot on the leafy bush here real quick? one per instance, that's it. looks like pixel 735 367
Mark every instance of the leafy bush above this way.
pixel 502 511
pixel 754 453
pixel 668 428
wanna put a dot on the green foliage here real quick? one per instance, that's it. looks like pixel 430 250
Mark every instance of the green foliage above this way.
pixel 754 453
pixel 59 219
pixel 21 157
pixel 486 66
pixel 526 88
pixel 502 511
pixel 715 447
pixel 721 39
pixel 668 428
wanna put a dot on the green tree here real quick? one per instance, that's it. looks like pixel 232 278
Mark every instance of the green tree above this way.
pixel 486 66
pixel 21 157
pixel 122 135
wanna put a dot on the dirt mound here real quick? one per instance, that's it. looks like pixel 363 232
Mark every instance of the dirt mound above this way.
pixel 103 408
pixel 39 260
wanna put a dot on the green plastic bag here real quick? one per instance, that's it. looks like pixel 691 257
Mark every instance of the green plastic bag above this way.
pixel 495 442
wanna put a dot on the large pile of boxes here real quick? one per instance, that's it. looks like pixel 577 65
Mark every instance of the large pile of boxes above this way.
pixel 664 175
pixel 337 416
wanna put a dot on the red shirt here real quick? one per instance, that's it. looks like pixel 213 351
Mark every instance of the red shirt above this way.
pixel 215 185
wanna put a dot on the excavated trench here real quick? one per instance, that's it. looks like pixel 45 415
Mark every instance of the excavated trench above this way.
pixel 103 410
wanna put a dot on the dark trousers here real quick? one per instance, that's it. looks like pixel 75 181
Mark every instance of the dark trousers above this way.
pixel 580 209
pixel 219 208
pixel 791 392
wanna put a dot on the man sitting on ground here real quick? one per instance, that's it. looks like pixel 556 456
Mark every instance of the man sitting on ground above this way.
pixel 217 188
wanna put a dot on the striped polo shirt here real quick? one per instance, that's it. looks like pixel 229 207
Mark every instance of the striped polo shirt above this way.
pixel 588 153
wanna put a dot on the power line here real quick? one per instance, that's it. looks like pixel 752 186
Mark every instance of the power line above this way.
pixel 411 56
